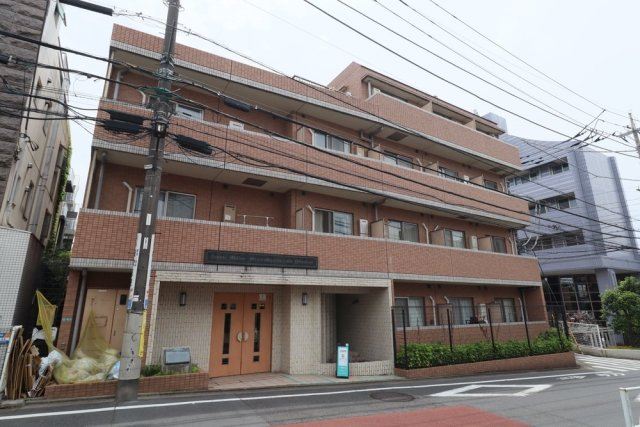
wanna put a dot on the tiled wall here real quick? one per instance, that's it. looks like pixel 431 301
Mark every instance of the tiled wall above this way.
pixel 14 247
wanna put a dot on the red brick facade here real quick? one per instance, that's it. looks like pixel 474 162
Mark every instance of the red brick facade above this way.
pixel 279 210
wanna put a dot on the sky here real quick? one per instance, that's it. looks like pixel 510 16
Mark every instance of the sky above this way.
pixel 583 51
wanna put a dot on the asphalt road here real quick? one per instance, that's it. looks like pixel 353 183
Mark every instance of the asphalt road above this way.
pixel 577 397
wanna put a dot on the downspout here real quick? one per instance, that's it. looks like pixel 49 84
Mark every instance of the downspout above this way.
pixel 447 300
pixel 426 231
pixel 433 305
pixel 313 218
pixel 79 309
pixel 130 190
pixel 116 87
pixel 521 309
pixel 103 160
pixel 87 190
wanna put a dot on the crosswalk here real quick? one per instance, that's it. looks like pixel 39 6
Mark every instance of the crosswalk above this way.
pixel 608 363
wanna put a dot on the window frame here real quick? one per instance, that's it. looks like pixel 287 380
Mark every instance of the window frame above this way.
pixel 397 159
pixel 330 142
pixel 415 314
pixel 331 221
pixel 462 310
pixel 491 185
pixel 448 238
pixel 494 248
pixel 163 203
pixel 447 173
pixel 403 225
pixel 506 311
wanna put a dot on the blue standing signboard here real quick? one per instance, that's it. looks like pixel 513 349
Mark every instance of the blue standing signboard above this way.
pixel 342 361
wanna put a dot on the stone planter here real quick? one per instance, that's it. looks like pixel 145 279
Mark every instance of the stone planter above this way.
pixel 158 384
pixel 545 361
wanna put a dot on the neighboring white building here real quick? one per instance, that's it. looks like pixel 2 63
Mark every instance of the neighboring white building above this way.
pixel 35 140
pixel 581 230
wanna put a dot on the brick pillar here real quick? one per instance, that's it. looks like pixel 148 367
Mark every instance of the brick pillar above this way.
pixel 68 311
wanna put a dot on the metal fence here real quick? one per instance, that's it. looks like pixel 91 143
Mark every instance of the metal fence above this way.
pixel 453 325
pixel 591 335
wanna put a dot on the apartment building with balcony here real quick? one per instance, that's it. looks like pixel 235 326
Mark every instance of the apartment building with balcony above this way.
pixel 34 148
pixel 317 210
pixel 581 229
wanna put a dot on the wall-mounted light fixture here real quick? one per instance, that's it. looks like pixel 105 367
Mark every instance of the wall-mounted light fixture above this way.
pixel 183 298
pixel 305 298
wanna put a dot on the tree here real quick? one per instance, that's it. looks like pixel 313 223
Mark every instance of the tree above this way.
pixel 621 307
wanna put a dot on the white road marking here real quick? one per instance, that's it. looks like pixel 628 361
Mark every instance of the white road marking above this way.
pixel 608 363
pixel 464 391
pixel 273 397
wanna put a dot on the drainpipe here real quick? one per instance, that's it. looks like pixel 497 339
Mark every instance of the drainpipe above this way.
pixel 130 190
pixel 79 309
pixel 103 160
pixel 87 190
pixel 313 218
pixel 447 300
pixel 116 88
pixel 433 305
pixel 521 309
pixel 426 231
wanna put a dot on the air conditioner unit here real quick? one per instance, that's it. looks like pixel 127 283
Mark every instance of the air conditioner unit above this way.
pixel 375 90
pixel 236 125
pixel 229 214
pixel 364 228
pixel 473 242
pixel 466 178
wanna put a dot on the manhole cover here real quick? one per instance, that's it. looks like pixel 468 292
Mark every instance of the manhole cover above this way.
pixel 390 396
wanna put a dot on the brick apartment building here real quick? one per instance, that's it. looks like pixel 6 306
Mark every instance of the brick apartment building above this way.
pixel 318 210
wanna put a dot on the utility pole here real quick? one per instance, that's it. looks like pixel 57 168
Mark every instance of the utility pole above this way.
pixel 132 347
pixel 634 131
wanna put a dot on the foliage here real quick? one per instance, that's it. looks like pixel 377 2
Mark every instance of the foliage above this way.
pixel 155 370
pixel 151 370
pixel 621 307
pixel 424 355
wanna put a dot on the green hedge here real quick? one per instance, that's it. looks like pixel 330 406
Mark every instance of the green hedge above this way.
pixel 421 355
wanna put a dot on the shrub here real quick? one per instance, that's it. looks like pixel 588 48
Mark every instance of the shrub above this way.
pixel 425 355
pixel 151 370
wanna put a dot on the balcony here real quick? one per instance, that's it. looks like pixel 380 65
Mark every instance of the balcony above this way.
pixel 103 236
pixel 285 165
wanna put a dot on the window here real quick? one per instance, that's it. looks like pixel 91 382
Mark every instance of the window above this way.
pixel 448 173
pixel 46 224
pixel 454 238
pixel 333 222
pixel 462 309
pixel 413 310
pixel 170 204
pixel 498 244
pixel 400 230
pixel 562 202
pixel 60 160
pixel 491 184
pixel 507 308
pixel 189 112
pixel 560 167
pixel 27 200
pixel 397 159
pixel 330 142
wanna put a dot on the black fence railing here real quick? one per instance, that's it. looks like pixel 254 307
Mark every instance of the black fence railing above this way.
pixel 453 325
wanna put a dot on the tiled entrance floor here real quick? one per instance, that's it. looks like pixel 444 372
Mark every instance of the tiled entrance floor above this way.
pixel 268 380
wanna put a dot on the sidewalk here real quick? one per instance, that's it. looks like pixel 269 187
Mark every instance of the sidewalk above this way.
pixel 270 380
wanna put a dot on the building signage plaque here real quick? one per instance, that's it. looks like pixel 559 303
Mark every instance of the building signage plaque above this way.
pixel 252 259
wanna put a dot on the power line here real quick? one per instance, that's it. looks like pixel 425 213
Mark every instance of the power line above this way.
pixel 523 61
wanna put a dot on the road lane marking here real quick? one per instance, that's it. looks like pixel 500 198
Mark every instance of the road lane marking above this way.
pixel 524 390
pixel 273 397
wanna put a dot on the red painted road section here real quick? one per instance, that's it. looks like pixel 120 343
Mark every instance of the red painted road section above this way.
pixel 450 416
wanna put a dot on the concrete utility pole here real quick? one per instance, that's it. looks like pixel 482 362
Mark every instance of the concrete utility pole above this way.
pixel 130 361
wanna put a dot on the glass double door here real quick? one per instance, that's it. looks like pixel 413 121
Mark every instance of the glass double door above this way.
pixel 240 334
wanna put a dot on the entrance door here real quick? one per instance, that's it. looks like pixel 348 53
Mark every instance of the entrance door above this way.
pixel 110 308
pixel 240 334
